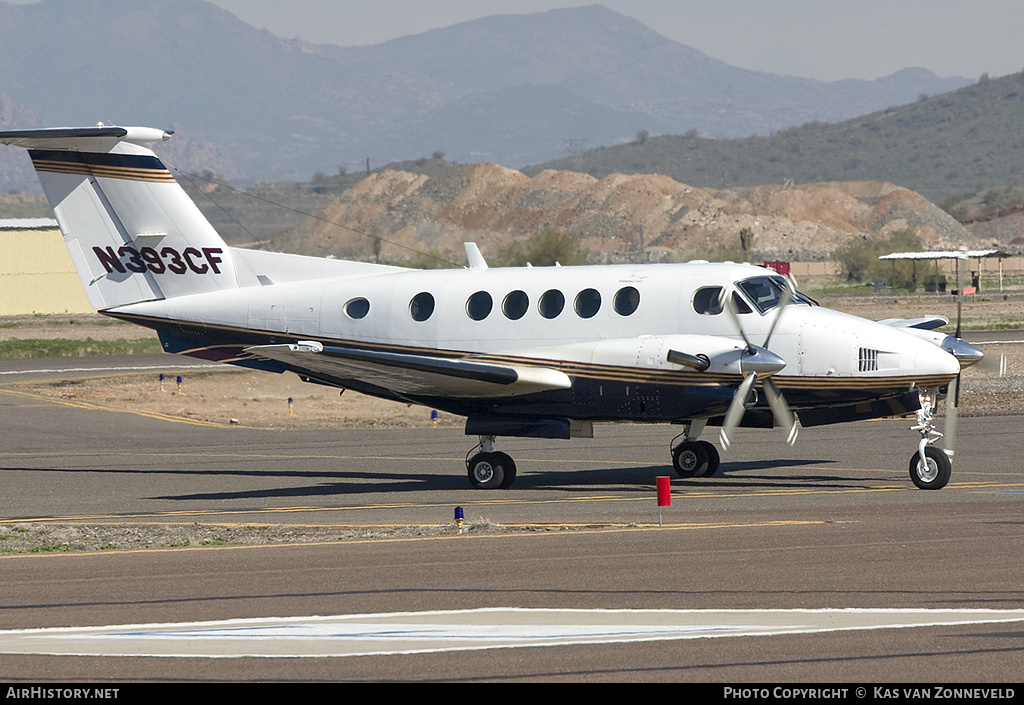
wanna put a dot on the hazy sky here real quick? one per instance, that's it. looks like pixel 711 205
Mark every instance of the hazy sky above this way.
pixel 827 39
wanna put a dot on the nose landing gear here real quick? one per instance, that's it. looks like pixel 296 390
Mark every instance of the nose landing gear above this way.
pixel 930 467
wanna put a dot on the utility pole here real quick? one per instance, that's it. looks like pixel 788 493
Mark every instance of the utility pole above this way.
pixel 574 148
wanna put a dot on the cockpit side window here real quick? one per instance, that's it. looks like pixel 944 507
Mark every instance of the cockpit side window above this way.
pixel 707 301
pixel 739 304
pixel 765 293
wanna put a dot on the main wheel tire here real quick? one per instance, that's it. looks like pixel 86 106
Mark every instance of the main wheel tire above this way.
pixel 933 473
pixel 690 459
pixel 714 460
pixel 491 471
pixel 509 467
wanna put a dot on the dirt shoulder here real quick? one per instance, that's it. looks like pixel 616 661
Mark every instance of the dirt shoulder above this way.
pixel 233 396
pixel 40 537
pixel 74 327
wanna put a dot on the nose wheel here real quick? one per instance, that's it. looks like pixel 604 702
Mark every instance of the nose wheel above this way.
pixel 931 472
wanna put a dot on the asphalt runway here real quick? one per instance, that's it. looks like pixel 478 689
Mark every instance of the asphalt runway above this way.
pixel 832 528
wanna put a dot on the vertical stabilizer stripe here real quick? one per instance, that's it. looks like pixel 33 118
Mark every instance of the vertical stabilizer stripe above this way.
pixel 132 167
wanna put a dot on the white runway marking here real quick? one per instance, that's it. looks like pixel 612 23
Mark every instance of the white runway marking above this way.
pixel 423 632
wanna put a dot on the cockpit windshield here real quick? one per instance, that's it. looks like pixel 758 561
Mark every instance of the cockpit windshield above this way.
pixel 766 293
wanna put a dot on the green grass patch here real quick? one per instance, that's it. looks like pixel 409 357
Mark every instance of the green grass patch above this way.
pixel 50 548
pixel 992 322
pixel 21 349
pixel 216 541
pixel 822 287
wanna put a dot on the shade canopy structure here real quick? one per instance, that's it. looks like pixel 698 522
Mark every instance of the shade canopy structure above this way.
pixel 961 254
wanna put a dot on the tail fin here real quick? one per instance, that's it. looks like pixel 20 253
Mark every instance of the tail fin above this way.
pixel 133 233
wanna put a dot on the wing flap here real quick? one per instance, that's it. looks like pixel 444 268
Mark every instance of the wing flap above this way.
pixel 406 374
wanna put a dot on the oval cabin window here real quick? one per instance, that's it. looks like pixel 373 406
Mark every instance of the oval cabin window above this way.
pixel 627 299
pixel 357 308
pixel 588 303
pixel 708 301
pixel 422 306
pixel 551 303
pixel 515 305
pixel 478 306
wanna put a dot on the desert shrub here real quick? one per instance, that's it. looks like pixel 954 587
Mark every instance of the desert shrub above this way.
pixel 859 259
pixel 543 250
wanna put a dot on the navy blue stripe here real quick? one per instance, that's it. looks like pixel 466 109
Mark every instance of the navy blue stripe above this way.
pixel 52 133
pixel 122 161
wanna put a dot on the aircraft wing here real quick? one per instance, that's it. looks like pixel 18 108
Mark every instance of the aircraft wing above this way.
pixel 924 323
pixel 411 375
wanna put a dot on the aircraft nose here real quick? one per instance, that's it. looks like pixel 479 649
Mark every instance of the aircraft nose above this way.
pixel 932 360
pixel 963 351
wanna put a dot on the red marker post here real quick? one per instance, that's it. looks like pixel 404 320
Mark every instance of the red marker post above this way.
pixel 664 494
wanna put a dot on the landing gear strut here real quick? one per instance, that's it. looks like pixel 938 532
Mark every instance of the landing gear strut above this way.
pixel 693 458
pixel 930 467
pixel 488 469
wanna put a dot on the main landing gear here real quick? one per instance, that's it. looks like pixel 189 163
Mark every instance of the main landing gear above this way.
pixel 930 467
pixel 488 469
pixel 493 470
pixel 693 458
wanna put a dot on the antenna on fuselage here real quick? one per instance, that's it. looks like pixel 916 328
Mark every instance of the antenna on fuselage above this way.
pixel 476 260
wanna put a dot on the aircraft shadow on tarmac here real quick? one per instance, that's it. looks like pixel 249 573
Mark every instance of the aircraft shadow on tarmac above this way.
pixel 730 475
pixel 266 484
pixel 575 481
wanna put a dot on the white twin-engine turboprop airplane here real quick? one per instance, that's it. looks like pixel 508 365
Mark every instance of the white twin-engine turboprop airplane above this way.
pixel 540 352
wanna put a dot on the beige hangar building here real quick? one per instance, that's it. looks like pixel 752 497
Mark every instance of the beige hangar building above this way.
pixel 36 272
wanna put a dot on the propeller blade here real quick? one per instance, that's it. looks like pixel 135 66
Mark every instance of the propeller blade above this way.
pixel 736 409
pixel 787 298
pixel 959 306
pixel 784 417
pixel 952 414
pixel 725 300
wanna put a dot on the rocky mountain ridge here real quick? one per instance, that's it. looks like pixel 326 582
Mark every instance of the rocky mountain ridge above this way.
pixel 513 89
pixel 618 218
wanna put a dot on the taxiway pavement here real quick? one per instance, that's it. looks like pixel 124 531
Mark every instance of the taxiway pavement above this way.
pixel 830 524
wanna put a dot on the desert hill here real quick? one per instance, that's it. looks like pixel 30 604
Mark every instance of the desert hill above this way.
pixel 618 218
pixel 967 140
